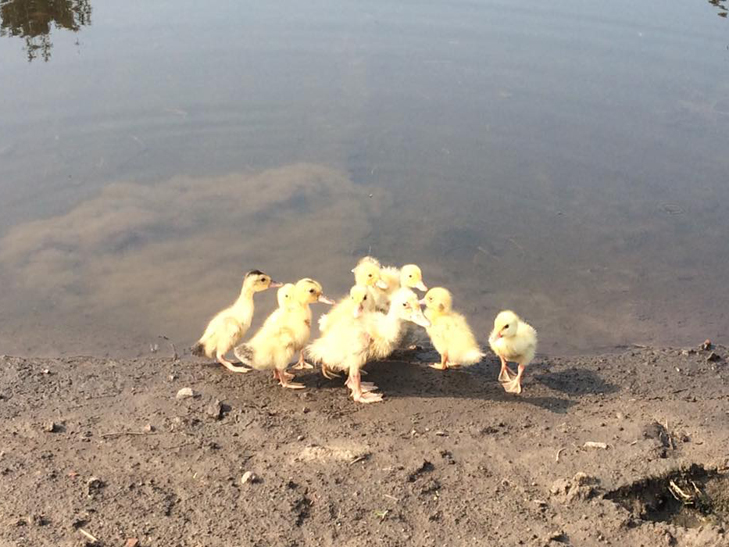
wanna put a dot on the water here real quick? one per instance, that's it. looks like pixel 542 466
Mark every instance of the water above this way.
pixel 567 161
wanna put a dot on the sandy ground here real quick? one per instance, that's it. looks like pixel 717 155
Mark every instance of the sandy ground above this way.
pixel 105 449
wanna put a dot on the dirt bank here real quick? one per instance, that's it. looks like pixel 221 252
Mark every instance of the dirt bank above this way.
pixel 104 447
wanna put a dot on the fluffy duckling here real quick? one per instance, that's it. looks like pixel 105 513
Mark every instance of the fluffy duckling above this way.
pixel 514 341
pixel 352 306
pixel 230 325
pixel 349 345
pixel 449 331
pixel 284 332
pixel 367 273
pixel 409 276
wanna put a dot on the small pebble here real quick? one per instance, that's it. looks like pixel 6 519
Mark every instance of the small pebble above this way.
pixel 185 393
pixel 247 477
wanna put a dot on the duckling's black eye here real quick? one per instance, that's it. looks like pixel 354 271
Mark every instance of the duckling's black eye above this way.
pixel 506 326
pixel 365 298
pixel 311 291
pixel 369 275
pixel 404 304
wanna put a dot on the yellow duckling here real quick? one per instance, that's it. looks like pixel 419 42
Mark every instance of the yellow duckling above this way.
pixel 409 276
pixel 349 345
pixel 367 273
pixel 449 331
pixel 514 341
pixel 230 325
pixel 358 302
pixel 284 332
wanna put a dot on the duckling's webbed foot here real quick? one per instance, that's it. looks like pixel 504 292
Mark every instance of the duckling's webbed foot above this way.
pixel 367 397
pixel 230 366
pixel 364 386
pixel 362 393
pixel 327 373
pixel 284 380
pixel 514 385
pixel 443 365
pixel 506 374
pixel 301 364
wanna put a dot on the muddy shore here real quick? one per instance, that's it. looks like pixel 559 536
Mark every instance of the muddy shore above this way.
pixel 104 449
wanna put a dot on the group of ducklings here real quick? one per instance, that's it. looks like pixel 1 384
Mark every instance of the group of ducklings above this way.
pixel 368 324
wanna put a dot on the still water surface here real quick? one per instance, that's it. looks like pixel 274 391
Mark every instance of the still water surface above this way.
pixel 567 160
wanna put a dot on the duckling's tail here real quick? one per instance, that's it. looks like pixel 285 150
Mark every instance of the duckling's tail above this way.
pixel 314 352
pixel 244 353
pixel 198 350
pixel 472 357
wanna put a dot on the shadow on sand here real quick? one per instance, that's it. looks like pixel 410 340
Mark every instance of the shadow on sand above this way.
pixel 399 379
pixel 576 381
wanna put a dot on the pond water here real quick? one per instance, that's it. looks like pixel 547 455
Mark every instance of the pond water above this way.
pixel 568 161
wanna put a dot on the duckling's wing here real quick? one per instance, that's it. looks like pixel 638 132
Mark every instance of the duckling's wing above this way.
pixel 228 334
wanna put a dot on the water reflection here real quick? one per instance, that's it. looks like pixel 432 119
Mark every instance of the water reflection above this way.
pixel 722 5
pixel 162 258
pixel 33 20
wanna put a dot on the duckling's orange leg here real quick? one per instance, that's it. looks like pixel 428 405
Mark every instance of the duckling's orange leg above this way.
pixel 506 374
pixel 284 380
pixel 443 365
pixel 301 364
pixel 514 386
pixel 230 366
pixel 358 394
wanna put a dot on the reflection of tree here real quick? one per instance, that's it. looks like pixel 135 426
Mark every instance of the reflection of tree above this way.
pixel 33 19
pixel 722 5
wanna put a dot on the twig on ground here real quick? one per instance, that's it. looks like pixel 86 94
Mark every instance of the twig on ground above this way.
pixel 359 458
pixel 556 458
pixel 122 433
pixel 89 536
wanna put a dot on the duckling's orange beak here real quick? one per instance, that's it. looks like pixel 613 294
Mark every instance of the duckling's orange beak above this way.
pixel 357 311
pixel 421 301
pixel 381 284
pixel 421 286
pixel 324 300
pixel 275 285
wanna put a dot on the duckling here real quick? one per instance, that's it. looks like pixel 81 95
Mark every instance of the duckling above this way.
pixel 449 331
pixel 367 272
pixel 284 332
pixel 512 340
pixel 349 345
pixel 359 302
pixel 230 325
pixel 410 276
